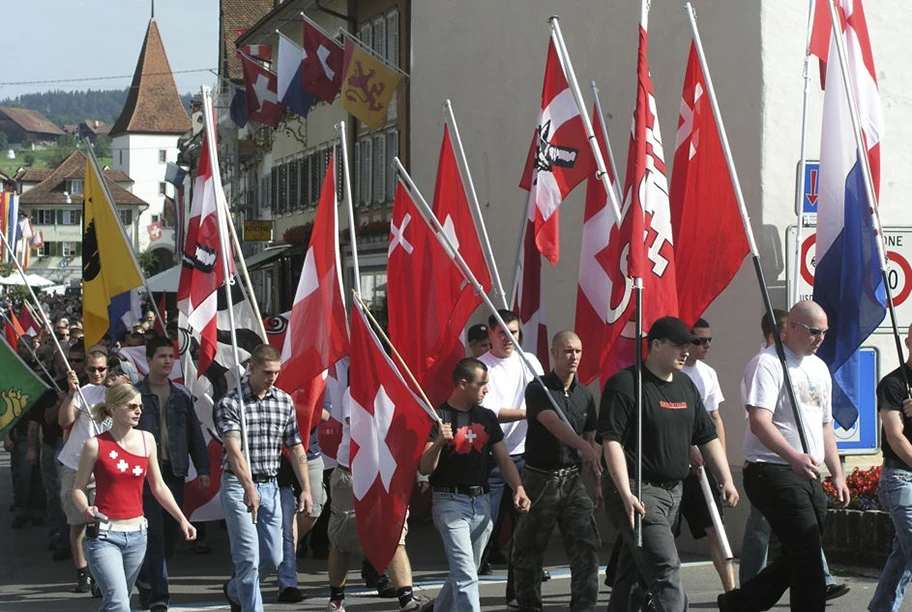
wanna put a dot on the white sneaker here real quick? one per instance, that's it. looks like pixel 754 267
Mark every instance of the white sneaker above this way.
pixel 418 603
pixel 513 604
pixel 335 605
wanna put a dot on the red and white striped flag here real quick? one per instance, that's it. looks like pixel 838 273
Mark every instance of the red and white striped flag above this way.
pixel 559 157
pixel 703 203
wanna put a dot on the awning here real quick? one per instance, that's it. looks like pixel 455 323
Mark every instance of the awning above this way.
pixel 168 280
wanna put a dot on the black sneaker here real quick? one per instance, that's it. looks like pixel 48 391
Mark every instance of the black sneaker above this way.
pixel 546 575
pixel 84 581
pixel 385 587
pixel 727 602
pixel 291 595
pixel 235 606
pixel 834 591
pixel 159 607
pixel 485 569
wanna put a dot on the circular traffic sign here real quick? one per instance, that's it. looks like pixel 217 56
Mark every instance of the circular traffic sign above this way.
pixel 899 276
pixel 808 259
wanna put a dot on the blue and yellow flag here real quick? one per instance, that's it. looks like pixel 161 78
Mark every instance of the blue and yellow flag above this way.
pixel 368 85
pixel 108 265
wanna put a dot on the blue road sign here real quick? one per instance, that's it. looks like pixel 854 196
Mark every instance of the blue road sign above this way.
pixel 811 184
pixel 862 438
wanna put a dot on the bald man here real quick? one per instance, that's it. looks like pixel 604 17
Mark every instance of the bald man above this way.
pixel 555 454
pixel 782 480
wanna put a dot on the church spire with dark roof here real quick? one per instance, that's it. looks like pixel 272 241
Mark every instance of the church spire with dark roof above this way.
pixel 153 104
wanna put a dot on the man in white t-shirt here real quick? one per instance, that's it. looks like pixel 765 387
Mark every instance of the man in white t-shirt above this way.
pixel 74 417
pixel 693 503
pixel 508 377
pixel 781 479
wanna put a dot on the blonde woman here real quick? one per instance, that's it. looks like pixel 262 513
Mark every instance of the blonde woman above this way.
pixel 121 460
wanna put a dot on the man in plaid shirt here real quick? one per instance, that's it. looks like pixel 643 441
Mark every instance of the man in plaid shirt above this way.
pixel 249 492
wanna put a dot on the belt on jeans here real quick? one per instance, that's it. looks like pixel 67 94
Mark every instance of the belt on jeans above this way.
pixel 663 484
pixel 262 478
pixel 560 473
pixel 896 464
pixel 461 490
pixel 129 528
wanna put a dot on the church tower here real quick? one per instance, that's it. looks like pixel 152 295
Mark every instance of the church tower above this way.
pixel 144 139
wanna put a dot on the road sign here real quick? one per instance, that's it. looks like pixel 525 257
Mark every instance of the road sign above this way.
pixel 811 186
pixel 862 437
pixel 898 243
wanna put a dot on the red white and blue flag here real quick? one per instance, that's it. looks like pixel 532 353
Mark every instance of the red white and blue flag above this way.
pixel 848 283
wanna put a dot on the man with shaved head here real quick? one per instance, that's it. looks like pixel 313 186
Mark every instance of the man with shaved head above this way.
pixel 555 453
pixel 782 480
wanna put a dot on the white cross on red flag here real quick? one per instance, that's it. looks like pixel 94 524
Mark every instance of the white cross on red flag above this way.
pixel 703 203
pixel 389 428
pixel 322 71
pixel 559 157
pixel 261 87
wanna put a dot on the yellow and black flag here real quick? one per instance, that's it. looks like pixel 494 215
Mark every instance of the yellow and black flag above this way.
pixel 368 85
pixel 108 266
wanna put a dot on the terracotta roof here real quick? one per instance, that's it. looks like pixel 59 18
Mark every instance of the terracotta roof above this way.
pixel 50 190
pixel 237 15
pixel 97 127
pixel 153 104
pixel 33 175
pixel 31 120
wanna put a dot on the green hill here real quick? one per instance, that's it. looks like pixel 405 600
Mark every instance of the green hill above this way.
pixel 71 107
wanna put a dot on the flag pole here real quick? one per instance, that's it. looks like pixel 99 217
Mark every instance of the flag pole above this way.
pixel 428 407
pixel 518 258
pixel 604 128
pixel 221 208
pixel 346 179
pixel 48 326
pixel 567 67
pixel 123 232
pixel 467 273
pixel 748 231
pixel 476 207
pixel 31 351
pixel 802 160
pixel 868 184
pixel 236 245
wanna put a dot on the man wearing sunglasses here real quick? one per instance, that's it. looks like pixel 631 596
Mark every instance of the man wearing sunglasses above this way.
pixel 693 504
pixel 783 481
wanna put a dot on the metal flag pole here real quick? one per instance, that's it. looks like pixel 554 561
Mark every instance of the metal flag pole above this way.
pixel 476 207
pixel 567 67
pixel 236 245
pixel 123 232
pixel 467 273
pixel 802 161
pixel 748 231
pixel 604 128
pixel 220 210
pixel 346 179
pixel 47 324
pixel 868 183
pixel 518 257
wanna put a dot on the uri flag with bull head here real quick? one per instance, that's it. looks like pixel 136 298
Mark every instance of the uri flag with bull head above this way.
pixel 559 158
pixel 389 427
pixel 368 85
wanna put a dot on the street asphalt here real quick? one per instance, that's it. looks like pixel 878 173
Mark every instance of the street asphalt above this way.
pixel 30 581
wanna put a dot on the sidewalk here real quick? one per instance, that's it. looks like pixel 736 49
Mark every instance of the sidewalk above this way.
pixel 30 581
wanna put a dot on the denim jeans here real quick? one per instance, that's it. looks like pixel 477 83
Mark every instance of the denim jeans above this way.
pixel 163 533
pixel 114 559
pixel 895 493
pixel 656 561
pixel 50 477
pixel 755 546
pixel 256 550
pixel 288 569
pixel 464 524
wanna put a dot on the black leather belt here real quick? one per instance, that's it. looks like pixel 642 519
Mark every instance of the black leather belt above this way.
pixel 461 490
pixel 262 478
pixel 896 464
pixel 663 484
pixel 559 473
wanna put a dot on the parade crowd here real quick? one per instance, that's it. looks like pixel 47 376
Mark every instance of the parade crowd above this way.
pixel 101 461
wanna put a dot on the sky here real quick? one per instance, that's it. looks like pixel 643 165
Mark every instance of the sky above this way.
pixel 83 39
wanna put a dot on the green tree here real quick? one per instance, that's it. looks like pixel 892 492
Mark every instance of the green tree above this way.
pixel 148 262
pixel 29 159
pixel 103 147
pixel 4 140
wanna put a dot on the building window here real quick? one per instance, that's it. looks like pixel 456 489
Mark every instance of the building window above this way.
pixel 379 169
pixel 44 216
pixel 70 249
pixel 364 171
pixel 379 35
pixel 306 197
pixel 126 217
pixel 74 186
pixel 294 186
pixel 356 155
pixel 365 35
pixel 283 189
pixel 392 150
pixel 162 156
pixel 70 217
pixel 162 188
pixel 392 37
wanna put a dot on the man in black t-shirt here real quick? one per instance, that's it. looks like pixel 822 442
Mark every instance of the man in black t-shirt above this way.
pixel 896 481
pixel 458 458
pixel 555 454
pixel 674 419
